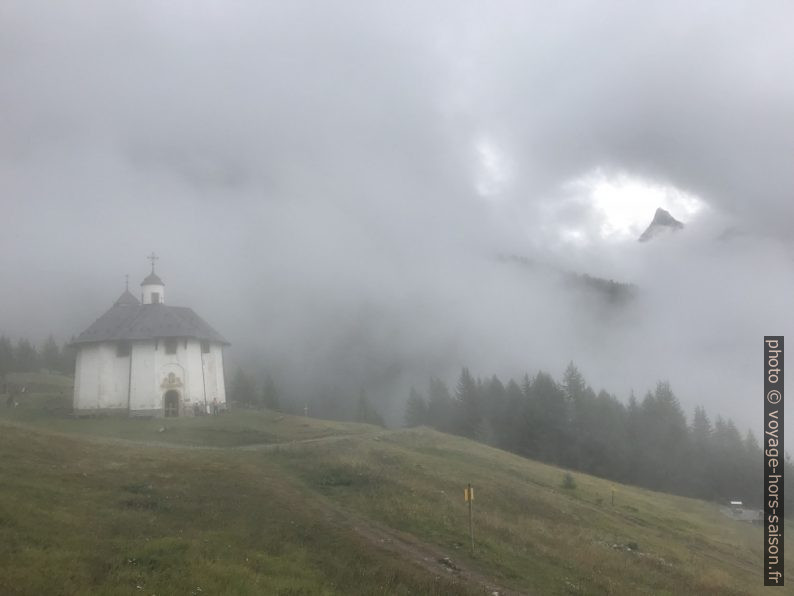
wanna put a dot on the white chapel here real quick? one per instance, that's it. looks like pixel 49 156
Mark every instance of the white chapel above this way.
pixel 145 358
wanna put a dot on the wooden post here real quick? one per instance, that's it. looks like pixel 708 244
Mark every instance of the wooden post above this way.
pixel 471 522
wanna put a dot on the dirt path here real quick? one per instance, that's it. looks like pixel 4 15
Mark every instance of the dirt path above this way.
pixel 261 447
pixel 266 447
pixel 430 557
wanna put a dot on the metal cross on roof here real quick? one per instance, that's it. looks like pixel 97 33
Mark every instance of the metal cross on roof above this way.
pixel 127 281
pixel 153 257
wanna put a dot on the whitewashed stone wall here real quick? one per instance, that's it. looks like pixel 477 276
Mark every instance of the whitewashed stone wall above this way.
pixel 139 382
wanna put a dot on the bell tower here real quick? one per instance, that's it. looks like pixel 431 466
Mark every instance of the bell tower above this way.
pixel 152 288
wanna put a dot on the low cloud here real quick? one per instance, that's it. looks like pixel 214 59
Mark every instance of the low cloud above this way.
pixel 331 186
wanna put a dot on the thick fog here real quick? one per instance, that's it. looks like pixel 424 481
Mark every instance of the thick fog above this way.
pixel 332 185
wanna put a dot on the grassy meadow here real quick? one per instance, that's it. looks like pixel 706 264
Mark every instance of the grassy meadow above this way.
pixel 266 503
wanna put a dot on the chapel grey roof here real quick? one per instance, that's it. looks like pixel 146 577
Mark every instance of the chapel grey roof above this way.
pixel 126 322
pixel 127 299
pixel 152 279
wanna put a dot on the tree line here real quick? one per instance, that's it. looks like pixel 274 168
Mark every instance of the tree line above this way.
pixel 332 403
pixel 648 442
pixel 24 356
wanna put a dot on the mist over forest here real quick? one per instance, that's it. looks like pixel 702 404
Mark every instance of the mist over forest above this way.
pixel 363 196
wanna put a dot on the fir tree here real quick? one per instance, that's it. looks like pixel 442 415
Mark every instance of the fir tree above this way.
pixel 365 412
pixel 242 390
pixel 26 357
pixel 467 398
pixel 7 363
pixel 416 409
pixel 68 359
pixel 549 423
pixel 51 355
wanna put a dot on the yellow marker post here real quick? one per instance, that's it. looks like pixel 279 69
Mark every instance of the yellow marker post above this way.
pixel 468 496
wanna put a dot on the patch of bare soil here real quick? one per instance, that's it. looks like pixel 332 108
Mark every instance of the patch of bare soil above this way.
pixel 428 556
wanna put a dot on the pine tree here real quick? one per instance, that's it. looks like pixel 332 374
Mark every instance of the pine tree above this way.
pixel 513 431
pixel 701 428
pixel 68 358
pixel 242 391
pixel 549 424
pixel 526 385
pixel 573 383
pixel 603 436
pixel 493 404
pixel 634 437
pixel 665 436
pixel 51 355
pixel 673 436
pixel 579 401
pixel 26 357
pixel 416 409
pixel 700 460
pixel 752 473
pixel 7 360
pixel 365 412
pixel 727 456
pixel 467 399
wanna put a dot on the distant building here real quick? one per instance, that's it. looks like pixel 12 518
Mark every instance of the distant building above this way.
pixel 736 510
pixel 145 358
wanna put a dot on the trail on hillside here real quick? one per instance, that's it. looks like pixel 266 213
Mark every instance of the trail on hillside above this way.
pixel 430 557
pixel 142 442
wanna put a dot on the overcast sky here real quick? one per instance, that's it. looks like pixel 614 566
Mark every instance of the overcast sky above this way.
pixel 329 184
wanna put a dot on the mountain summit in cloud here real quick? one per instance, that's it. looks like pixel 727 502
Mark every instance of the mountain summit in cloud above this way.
pixel 662 222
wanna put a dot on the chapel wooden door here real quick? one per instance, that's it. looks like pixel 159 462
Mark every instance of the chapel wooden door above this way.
pixel 171 404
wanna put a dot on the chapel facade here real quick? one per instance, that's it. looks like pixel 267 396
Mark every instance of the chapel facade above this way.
pixel 146 358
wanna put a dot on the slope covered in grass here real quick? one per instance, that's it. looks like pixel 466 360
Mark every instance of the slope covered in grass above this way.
pixel 288 505
pixel 75 518
pixel 231 429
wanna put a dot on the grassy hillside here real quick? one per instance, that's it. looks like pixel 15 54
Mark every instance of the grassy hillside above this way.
pixel 285 505
pixel 40 381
